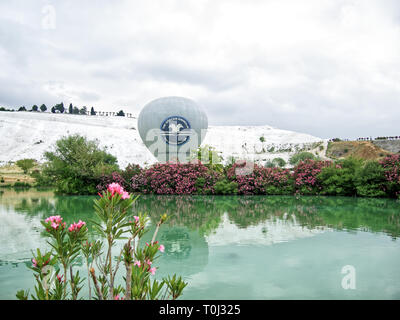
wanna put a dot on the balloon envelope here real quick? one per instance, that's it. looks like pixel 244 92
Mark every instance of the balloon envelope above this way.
pixel 172 127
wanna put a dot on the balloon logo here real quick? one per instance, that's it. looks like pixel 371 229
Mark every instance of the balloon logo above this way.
pixel 175 130
pixel 172 128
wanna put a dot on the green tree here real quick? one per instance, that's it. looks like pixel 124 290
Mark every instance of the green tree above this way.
pixel 43 108
pixel 339 178
pixel 301 156
pixel 35 108
pixel 370 180
pixel 121 113
pixel 70 109
pixel 76 110
pixel 77 164
pixel 22 108
pixel 92 112
pixel 26 164
pixel 279 162
pixel 83 110
pixel 61 107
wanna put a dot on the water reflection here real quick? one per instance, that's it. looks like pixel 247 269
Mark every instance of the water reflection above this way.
pixel 206 234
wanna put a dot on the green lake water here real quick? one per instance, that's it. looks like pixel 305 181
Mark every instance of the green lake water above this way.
pixel 254 247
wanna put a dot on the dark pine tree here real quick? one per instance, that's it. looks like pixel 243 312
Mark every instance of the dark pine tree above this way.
pixel 92 112
pixel 35 108
pixel 22 108
pixel 71 109
pixel 53 110
pixel 61 107
pixel 43 107
pixel 121 113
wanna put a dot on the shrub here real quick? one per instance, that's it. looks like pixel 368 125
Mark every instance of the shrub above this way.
pixel 207 155
pixel 278 181
pixel 77 164
pixel 305 176
pixel 26 164
pixel 370 180
pixel 176 178
pixel 225 186
pixel 130 171
pixel 301 156
pixel 250 183
pixel 391 167
pixel 20 184
pixel 269 164
pixel 339 178
pixel 279 162
pixel 41 180
pixel 107 179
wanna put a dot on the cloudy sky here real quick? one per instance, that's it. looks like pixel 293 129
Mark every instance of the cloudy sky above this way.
pixel 330 68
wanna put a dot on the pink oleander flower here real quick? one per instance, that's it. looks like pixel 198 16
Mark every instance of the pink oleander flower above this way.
pixel 161 248
pixel 117 188
pixel 76 226
pixel 125 195
pixel 136 218
pixel 137 263
pixel 34 263
pixel 55 222
pixel 148 262
pixel 153 271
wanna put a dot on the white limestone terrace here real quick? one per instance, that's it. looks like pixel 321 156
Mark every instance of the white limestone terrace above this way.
pixel 30 134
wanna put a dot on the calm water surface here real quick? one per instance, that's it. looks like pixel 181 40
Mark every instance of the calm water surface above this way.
pixel 234 247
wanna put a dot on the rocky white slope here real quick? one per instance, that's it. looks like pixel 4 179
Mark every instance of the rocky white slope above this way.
pixel 30 134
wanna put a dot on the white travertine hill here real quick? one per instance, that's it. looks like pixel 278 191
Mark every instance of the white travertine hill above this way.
pixel 30 134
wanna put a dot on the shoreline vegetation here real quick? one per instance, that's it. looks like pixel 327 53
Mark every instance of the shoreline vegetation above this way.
pixel 78 166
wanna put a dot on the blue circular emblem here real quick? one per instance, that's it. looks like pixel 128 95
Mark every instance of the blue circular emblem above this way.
pixel 175 130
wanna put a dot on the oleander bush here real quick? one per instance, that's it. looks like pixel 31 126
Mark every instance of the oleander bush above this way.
pixel 176 178
pixel 305 176
pixel 56 277
pixel 79 166
pixel 391 167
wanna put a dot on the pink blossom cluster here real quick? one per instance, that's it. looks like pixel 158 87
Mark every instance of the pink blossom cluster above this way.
pixel 258 179
pixel 147 265
pixel 305 174
pixel 35 264
pixel 391 164
pixel 55 222
pixel 75 227
pixel 174 178
pixel 117 188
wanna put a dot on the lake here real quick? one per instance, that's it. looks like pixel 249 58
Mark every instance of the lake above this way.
pixel 234 247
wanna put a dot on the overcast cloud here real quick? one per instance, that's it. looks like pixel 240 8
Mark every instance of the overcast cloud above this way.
pixel 330 68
